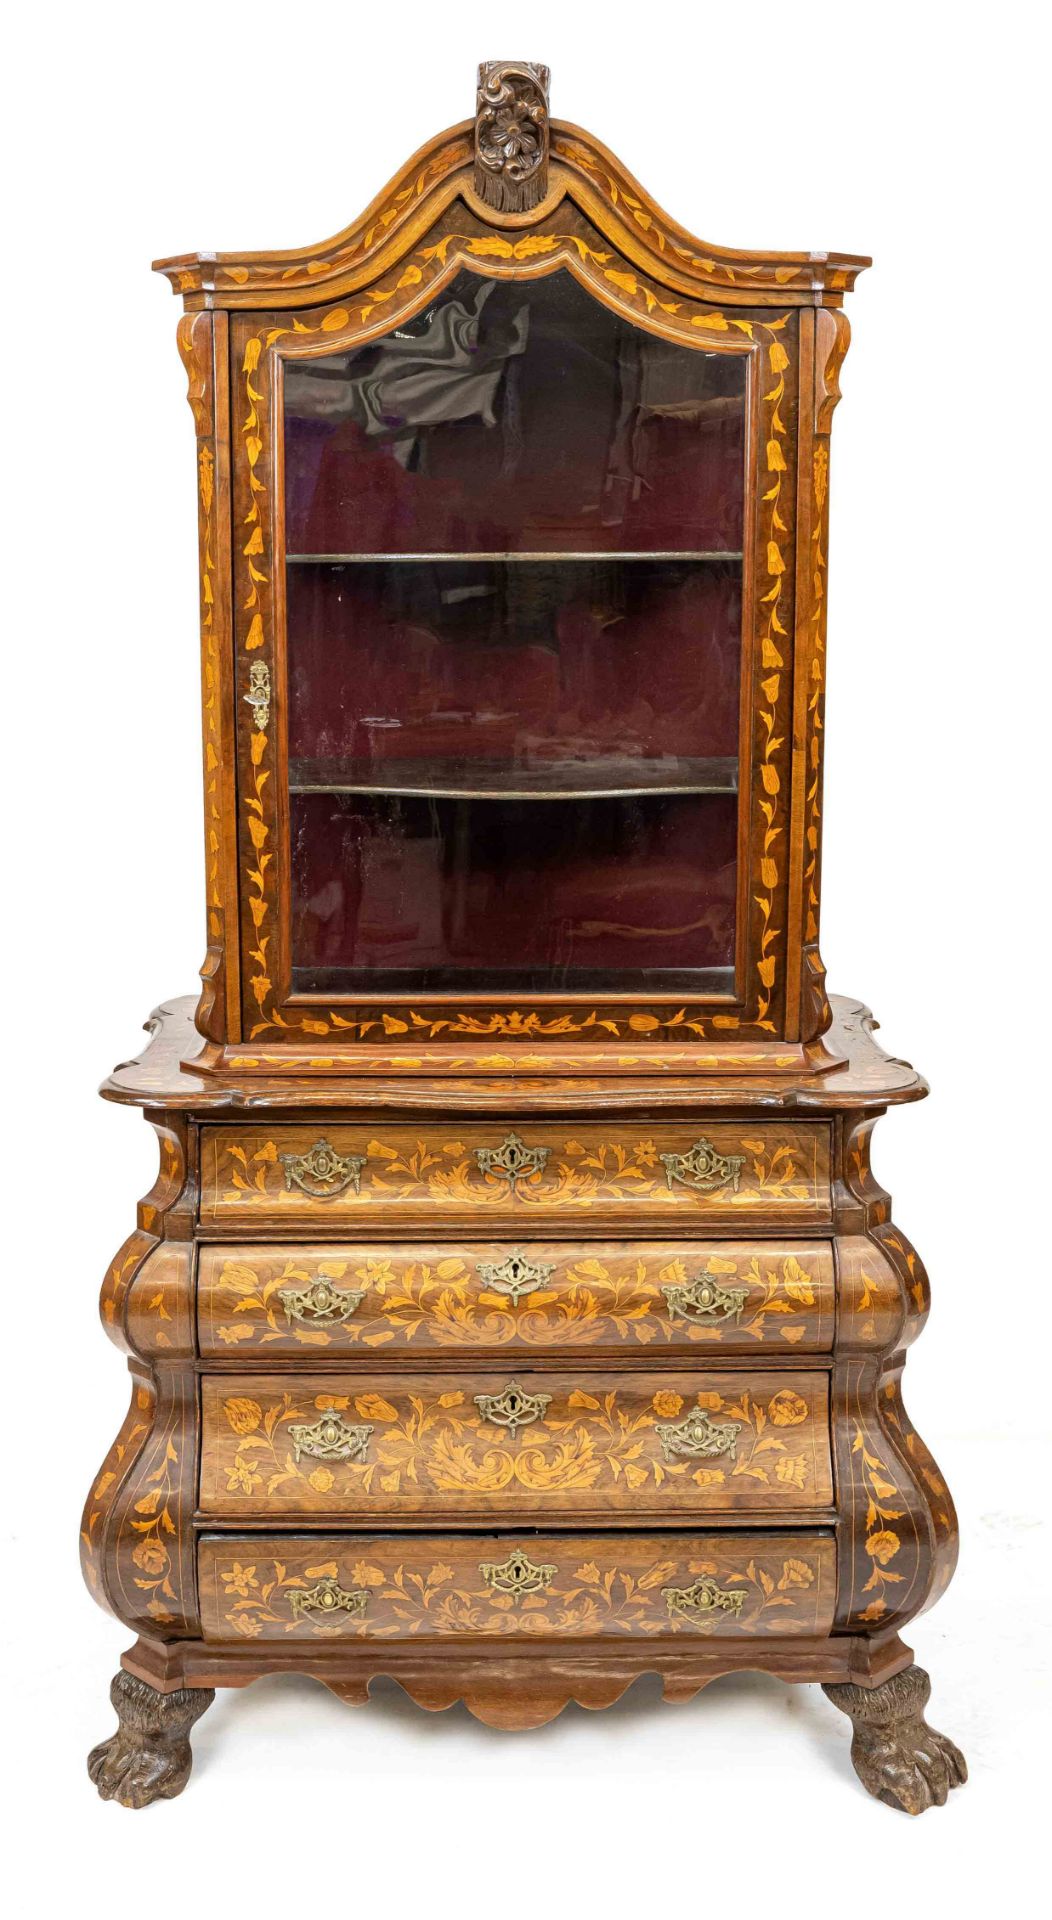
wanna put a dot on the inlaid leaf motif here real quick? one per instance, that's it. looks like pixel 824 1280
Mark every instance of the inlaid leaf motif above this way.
pixel 372 1406
pixel 797 1283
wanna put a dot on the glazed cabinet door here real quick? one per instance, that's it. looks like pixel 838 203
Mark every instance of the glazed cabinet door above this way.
pixel 512 642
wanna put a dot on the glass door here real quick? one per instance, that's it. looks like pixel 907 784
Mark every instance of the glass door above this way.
pixel 513 536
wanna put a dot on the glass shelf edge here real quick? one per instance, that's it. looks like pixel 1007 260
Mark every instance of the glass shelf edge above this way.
pixel 420 559
pixel 505 793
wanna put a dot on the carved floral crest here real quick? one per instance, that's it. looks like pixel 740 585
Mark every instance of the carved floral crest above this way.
pixel 511 135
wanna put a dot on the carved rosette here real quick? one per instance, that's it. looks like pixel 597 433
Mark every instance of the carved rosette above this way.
pixel 511 135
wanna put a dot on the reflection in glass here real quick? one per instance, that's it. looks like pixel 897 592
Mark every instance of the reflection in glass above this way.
pixel 516 894
pixel 515 417
pixel 529 664
pixel 514 607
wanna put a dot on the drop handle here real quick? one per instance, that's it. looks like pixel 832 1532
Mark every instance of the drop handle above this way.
pixel 323 1173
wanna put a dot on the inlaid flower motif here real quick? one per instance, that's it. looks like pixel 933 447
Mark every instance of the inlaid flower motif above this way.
pixel 238 1579
pixel 667 1404
pixel 240 1478
pixel 787 1409
pixel 791 1473
pixel 150 1555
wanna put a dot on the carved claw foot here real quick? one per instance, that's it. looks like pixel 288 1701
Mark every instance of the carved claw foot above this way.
pixel 148 1758
pixel 897 1756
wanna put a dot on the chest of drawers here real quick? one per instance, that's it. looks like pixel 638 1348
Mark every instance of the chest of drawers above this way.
pixel 629 1405
pixel 515 1312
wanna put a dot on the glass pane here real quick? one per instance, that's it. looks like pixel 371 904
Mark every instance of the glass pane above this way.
pixel 586 664
pixel 514 599
pixel 518 894
pixel 513 417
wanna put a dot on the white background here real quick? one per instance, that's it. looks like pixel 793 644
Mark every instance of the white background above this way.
pixel 910 132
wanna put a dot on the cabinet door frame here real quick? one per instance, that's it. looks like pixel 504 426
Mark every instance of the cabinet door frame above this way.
pixel 261 344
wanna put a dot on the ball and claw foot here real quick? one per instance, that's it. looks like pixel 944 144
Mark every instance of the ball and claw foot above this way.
pixel 148 1758
pixel 897 1756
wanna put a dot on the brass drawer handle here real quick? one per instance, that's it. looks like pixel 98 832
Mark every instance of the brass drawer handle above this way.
pixel 703 1168
pixel 517 1575
pixel 328 1597
pixel 515 1275
pixel 698 1437
pixel 704 1599
pixel 512 1160
pixel 513 1407
pixel 705 1299
pixel 323 1173
pixel 320 1305
pixel 330 1438
pixel 258 695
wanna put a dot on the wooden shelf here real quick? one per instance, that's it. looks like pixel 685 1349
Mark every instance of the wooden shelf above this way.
pixel 711 983
pixel 470 559
pixel 598 779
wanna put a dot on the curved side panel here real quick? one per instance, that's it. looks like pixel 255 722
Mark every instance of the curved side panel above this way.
pixel 112 1477
pixel 146 1537
pixel 938 1499
pixel 119 1277
pixel 137 1548
pixel 897 1549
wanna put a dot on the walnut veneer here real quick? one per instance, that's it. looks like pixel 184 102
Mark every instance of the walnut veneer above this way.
pixel 565 1316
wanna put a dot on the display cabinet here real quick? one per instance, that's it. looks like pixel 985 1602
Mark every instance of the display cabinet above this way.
pixel 515 1312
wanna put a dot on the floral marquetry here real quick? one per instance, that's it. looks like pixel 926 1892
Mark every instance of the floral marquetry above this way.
pixel 621 1298
pixel 647 1444
pixel 401 1173
pixel 569 1586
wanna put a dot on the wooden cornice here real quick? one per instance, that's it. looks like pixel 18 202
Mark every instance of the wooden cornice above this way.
pixel 581 170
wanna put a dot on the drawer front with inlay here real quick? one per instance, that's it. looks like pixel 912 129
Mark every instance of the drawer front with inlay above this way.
pixel 536 1297
pixel 329 1587
pixel 654 1445
pixel 338 1174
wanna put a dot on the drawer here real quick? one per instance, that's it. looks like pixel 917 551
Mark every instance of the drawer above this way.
pixel 655 1444
pixel 314 1175
pixel 531 1298
pixel 561 1586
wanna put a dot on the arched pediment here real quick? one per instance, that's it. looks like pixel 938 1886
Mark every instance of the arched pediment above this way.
pixel 572 166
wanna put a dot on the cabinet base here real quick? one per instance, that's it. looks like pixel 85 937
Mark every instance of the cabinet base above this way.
pixel 163 1689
